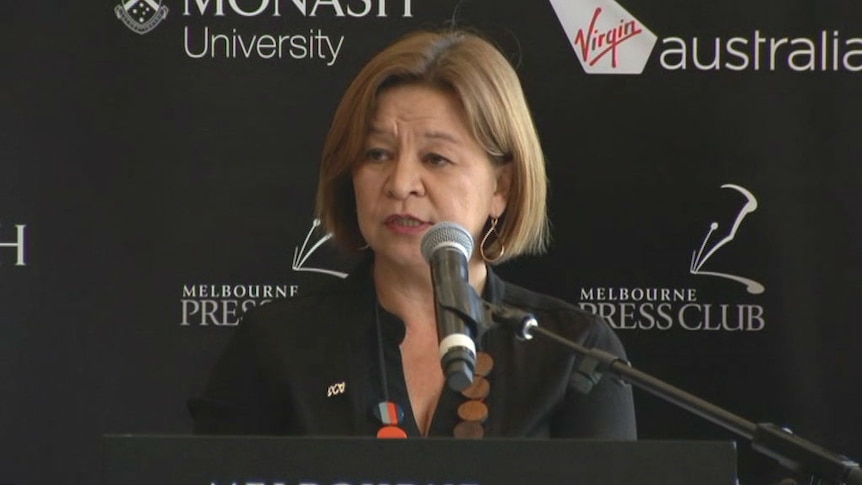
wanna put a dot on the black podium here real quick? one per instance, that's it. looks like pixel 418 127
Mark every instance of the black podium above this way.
pixel 211 460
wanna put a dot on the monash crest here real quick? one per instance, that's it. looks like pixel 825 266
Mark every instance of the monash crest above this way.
pixel 141 16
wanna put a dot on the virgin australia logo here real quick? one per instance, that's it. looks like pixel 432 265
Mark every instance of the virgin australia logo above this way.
pixel 606 38
pixel 141 16
pixel 701 256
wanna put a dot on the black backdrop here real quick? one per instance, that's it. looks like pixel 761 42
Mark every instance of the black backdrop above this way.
pixel 138 182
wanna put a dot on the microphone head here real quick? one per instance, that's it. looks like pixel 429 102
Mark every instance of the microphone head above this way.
pixel 447 234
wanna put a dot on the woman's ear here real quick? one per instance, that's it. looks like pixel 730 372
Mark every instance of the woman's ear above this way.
pixel 501 191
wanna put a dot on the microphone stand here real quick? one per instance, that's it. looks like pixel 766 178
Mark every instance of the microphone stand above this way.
pixel 791 451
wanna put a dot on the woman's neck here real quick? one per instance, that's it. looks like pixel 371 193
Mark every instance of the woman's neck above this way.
pixel 409 290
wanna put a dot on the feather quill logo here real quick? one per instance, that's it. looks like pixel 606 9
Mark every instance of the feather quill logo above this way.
pixel 702 255
pixel 301 254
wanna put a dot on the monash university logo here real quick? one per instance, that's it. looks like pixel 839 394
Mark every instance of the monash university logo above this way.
pixel 141 16
pixel 606 38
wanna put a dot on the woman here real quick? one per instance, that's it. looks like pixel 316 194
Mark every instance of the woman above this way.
pixel 434 128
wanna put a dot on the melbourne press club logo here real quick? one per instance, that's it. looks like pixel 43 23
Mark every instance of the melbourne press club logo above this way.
pixel 222 305
pixel 664 308
pixel 141 16
pixel 13 251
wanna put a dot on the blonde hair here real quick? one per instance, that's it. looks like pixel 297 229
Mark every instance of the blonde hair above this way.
pixel 486 85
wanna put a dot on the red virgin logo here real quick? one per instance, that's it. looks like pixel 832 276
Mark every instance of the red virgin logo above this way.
pixel 606 38
pixel 595 45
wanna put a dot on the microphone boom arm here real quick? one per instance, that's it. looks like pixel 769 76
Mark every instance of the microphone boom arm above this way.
pixel 791 451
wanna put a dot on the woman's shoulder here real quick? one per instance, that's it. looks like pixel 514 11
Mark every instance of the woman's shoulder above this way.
pixel 563 317
pixel 549 305
pixel 319 309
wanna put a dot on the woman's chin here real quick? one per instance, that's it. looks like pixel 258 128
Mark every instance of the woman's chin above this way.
pixel 404 258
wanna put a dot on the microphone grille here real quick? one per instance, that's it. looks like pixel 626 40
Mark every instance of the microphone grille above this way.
pixel 447 234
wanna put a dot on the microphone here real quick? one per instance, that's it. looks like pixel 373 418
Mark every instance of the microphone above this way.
pixel 447 247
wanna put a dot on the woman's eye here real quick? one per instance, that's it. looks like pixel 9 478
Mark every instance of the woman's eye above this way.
pixel 376 154
pixel 435 159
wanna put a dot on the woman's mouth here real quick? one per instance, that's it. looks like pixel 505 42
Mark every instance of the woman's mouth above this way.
pixel 405 222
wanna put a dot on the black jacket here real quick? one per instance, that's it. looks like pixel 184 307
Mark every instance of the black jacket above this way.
pixel 310 366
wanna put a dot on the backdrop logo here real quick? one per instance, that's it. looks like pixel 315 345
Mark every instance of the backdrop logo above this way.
pixel 141 16
pixel 301 254
pixel 18 245
pixel 609 40
pixel 606 38
pixel 241 38
pixel 222 305
pixel 701 256
pixel 665 307
pixel 295 30
pixel 306 8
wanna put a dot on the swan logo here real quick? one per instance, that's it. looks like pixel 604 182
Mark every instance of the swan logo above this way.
pixel 606 38
pixel 141 16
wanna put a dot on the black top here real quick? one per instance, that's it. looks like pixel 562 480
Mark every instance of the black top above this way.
pixel 310 366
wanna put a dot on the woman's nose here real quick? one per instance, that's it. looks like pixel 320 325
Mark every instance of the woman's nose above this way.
pixel 405 178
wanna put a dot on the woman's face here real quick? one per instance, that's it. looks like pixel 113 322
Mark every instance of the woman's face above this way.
pixel 422 166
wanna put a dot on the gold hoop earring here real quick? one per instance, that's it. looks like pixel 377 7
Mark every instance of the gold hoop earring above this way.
pixel 492 230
